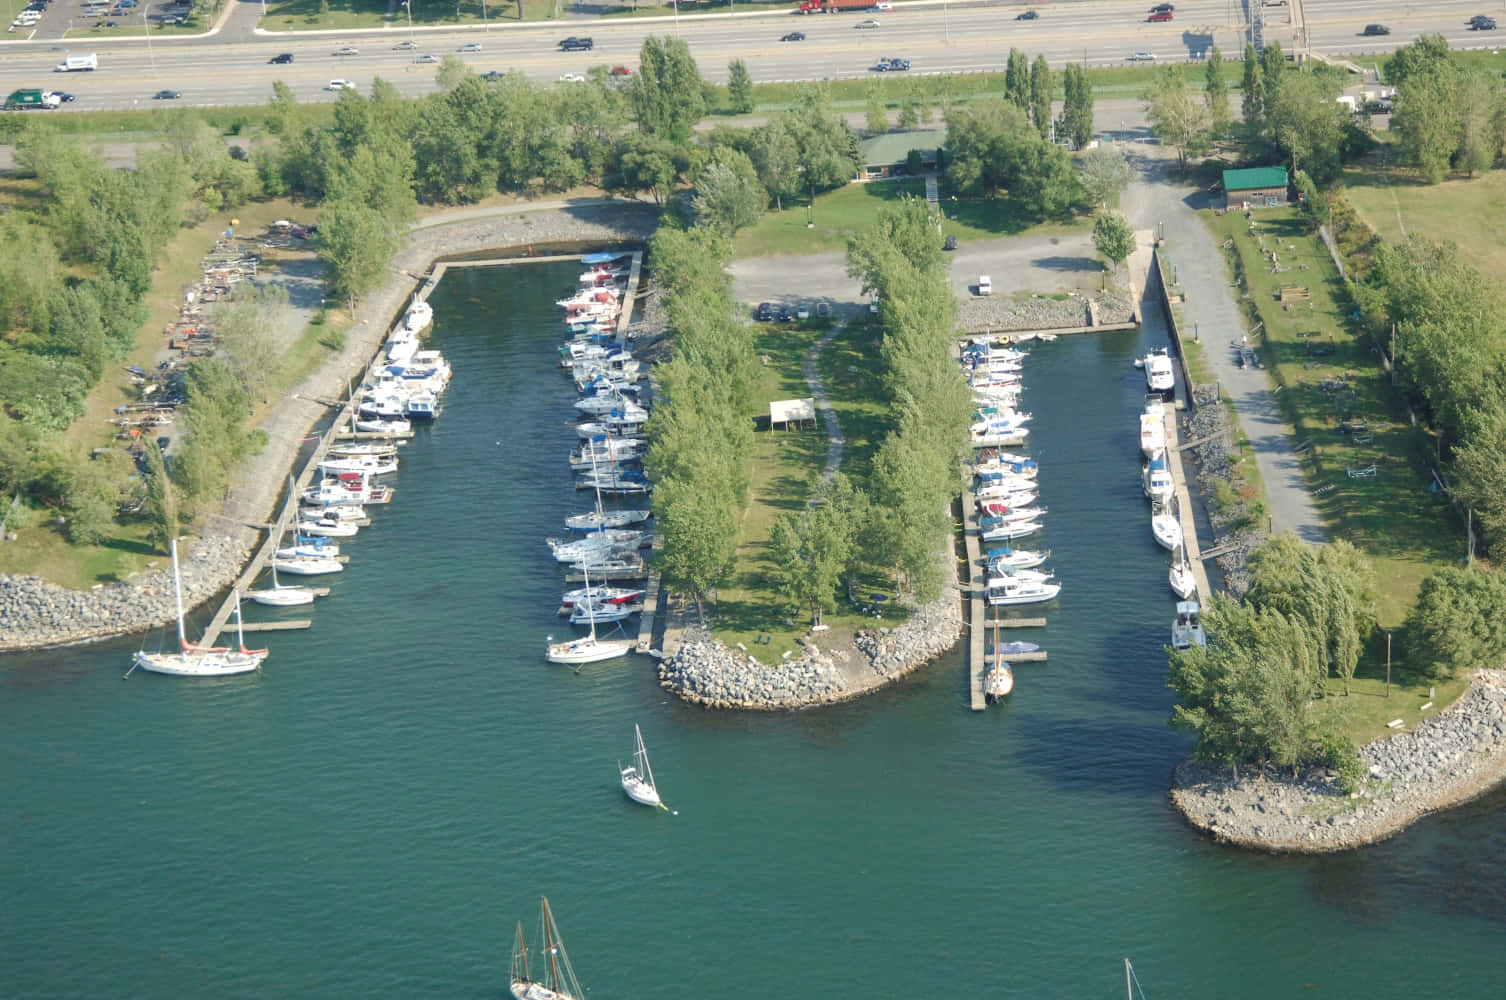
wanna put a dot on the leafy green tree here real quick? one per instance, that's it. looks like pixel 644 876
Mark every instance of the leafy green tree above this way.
pixel 1177 117
pixel 826 147
pixel 988 141
pixel 249 325
pixel 697 518
pixel 95 496
pixel 1216 93
pixel 1307 123
pixel 1458 622
pixel 1104 173
pixel 812 549
pixel 161 507
pixel 739 87
pixel 1428 52
pixel 1479 466
pixel 1113 237
pixel 1252 106
pixel 1077 109
pixel 1481 104
pixel 728 196
pixel 1041 96
pixel 451 73
pixel 354 242
pixel 1273 74
pixel 648 163
pixel 668 94
pixel 1017 80
pixel 877 112
pixel 776 156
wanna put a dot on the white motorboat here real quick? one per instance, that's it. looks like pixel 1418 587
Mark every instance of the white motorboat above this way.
pixel 1152 431
pixel 1183 583
pixel 604 403
pixel 1008 495
pixel 993 439
pixel 199 661
pixel 597 519
pixel 402 344
pixel 1000 470
pixel 281 595
pixel 1014 590
pixel 371 465
pixel 996 508
pixel 308 565
pixel 328 527
pixel 591 612
pixel 339 511
pixel 422 406
pixel 396 425
pixel 1159 377
pixel 638 779
pixel 999 574
pixel 588 297
pixel 419 316
pixel 1156 481
pixel 601 595
pixel 1166 529
pixel 1006 557
pixel 995 530
pixel 559 982
pixel 1187 630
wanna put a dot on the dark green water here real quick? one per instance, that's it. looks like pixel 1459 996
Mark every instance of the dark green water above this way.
pixel 373 814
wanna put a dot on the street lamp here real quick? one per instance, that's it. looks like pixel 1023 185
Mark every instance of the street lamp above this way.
pixel 408 6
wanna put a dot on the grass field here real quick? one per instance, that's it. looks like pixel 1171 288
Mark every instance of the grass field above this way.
pixel 839 214
pixel 312 15
pixel 1328 385
pixel 1395 204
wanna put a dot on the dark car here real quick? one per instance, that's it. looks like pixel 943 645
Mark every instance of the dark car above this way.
pixel 1162 8
pixel 950 243
pixel 63 96
pixel 1376 29
pixel 1161 15
pixel 1482 23
pixel 794 36
pixel 764 313
pixel 493 74
pixel 891 65
pixel 281 58
pixel 167 95
pixel 787 314
pixel 1028 15
pixel 573 44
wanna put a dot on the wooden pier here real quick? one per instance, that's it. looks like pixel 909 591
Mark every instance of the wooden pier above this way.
pixel 625 316
pixel 650 610
pixel 976 583
pixel 288 625
pixel 1184 503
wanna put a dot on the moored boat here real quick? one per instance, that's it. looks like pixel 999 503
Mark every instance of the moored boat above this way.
pixel 1187 630
pixel 1166 530
pixel 638 778
pixel 1012 590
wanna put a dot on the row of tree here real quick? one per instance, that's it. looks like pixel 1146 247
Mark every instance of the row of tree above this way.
pixel 1448 115
pixel 1252 695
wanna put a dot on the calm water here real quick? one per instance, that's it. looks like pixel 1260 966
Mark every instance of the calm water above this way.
pixel 374 813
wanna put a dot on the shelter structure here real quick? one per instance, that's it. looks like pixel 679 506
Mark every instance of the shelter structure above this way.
pixel 1255 187
pixel 796 413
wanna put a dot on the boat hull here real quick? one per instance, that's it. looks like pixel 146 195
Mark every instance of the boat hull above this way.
pixel 587 650
pixel 307 567
pixel 282 597
pixel 226 664
pixel 637 789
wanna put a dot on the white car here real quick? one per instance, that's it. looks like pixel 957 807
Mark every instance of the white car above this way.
pixel 883 5
pixel 1141 57
pixel 472 47
pixel 572 78
pixel 340 85
pixel 427 57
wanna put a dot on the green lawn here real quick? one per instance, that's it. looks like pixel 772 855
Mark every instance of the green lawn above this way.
pixel 786 467
pixel 837 215
pixel 310 15
pixel 1366 712
pixel 1391 516
pixel 969 218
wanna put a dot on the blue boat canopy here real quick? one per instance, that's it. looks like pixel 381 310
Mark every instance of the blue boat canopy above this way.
pixel 601 258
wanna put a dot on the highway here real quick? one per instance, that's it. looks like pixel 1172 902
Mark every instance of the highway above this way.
pixel 231 66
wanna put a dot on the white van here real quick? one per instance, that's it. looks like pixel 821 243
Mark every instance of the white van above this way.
pixel 985 285
pixel 76 64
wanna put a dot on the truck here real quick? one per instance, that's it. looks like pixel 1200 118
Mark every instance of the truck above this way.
pixel 74 64
pixel 22 100
pixel 833 6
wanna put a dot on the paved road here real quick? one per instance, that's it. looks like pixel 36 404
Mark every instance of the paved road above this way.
pixel 1159 198
pixel 231 66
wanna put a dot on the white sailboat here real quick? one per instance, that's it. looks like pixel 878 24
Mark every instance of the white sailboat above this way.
pixel 199 661
pixel 280 595
pixel 638 780
pixel 590 649
pixel 559 981
pixel 1183 583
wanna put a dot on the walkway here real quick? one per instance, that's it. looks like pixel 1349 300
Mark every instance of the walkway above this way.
pixel 1159 198
pixel 812 374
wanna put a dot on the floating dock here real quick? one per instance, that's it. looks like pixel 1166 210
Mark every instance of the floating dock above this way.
pixel 290 625
pixel 1184 503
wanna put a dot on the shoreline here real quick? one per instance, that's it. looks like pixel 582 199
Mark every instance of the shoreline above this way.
pixel 1453 757
pixel 36 614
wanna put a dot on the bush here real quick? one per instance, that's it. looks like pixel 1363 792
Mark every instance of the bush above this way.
pixel 915 162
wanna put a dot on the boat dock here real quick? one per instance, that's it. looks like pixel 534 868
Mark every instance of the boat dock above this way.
pixel 289 625
pixel 1184 503
pixel 625 315
pixel 977 583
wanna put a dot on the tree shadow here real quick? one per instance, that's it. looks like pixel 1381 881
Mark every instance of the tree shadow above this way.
pixel 1067 264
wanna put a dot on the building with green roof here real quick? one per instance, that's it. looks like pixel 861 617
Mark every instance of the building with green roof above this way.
pixel 1255 187
pixel 885 155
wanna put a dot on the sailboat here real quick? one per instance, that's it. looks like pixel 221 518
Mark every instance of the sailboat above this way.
pixel 199 661
pixel 280 596
pixel 590 649
pixel 559 981
pixel 1183 583
pixel 638 780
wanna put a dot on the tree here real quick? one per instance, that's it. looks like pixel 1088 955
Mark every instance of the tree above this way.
pixel 1104 173
pixel 1176 117
pixel 1481 105
pixel 812 548
pixel 452 72
pixel 355 242
pixel 1272 74
pixel 1017 79
pixel 1077 107
pixel 777 160
pixel 877 116
pixel 1040 96
pixel 1428 52
pixel 1458 622
pixel 1252 106
pixel 161 508
pixel 728 196
pixel 1307 123
pixel 988 140
pixel 249 326
pixel 1216 93
pixel 649 163
pixel 739 87
pixel 1113 237
pixel 667 94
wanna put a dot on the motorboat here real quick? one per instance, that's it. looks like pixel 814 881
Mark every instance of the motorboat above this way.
pixel 421 406
pixel 996 437
pixel 1159 377
pixel 198 661
pixel 589 611
pixel 1156 481
pixel 602 595
pixel 997 530
pixel 1166 529
pixel 997 578
pixel 1152 432
pixel 995 508
pixel 384 407
pixel 419 316
pixel 615 422
pixel 1009 494
pixel 328 527
pixel 1006 557
pixel 597 519
pixel 352 512
pixel 1187 630
pixel 587 297
pixel 1015 590
pixel 371 465
pixel 1183 583
pixel 998 470
pixel 402 344
pixel 376 425
pixel 336 490
pixel 308 565
pixel 605 451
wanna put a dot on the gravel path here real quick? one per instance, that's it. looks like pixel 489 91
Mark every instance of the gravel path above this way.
pixel 810 368
pixel 1158 196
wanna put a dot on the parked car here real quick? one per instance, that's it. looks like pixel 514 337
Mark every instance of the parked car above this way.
pixel 347 50
pixel 985 285
pixel 573 44
pixel 823 309
pixel 281 58
pixel 764 313
pixel 167 95
pixel 873 303
pixel 870 22
pixel 470 47
pixel 950 243
pixel 1141 57
pixel 1160 15
pixel 1376 29
pixel 794 36
pixel 1028 15
pixel 621 70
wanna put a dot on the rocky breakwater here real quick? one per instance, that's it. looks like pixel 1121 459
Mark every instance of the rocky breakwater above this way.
pixel 1449 759
pixel 706 671
pixel 1045 312
pixel 35 613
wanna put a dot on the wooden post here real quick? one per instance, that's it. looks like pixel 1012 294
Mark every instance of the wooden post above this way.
pixel 1388 664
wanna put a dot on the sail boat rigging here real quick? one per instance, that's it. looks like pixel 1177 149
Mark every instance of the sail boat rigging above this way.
pixel 280 596
pixel 199 661
pixel 638 780
pixel 590 649
pixel 559 981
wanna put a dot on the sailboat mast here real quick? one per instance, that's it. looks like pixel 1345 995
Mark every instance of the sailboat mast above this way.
pixel 520 958
pixel 642 754
pixel 178 595
pixel 551 949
